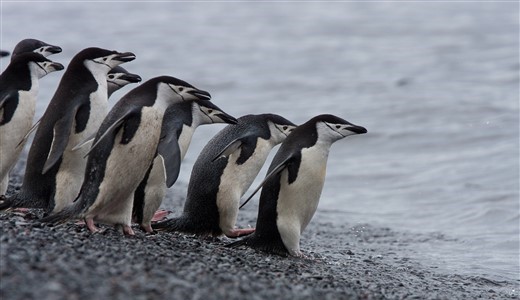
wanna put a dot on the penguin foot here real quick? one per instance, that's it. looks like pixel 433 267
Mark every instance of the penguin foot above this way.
pixel 147 228
pixel 91 226
pixel 124 229
pixel 127 230
pixel 299 254
pixel 160 215
pixel 234 233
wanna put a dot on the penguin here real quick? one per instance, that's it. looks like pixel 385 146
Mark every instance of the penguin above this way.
pixel 293 185
pixel 118 77
pixel 19 85
pixel 4 53
pixel 54 171
pixel 224 170
pixel 33 45
pixel 122 152
pixel 179 124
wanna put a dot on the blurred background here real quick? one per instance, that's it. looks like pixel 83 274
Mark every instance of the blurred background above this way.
pixel 435 83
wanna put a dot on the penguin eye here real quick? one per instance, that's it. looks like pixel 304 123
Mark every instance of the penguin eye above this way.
pixel 111 76
pixel 181 89
pixel 285 127
pixel 338 126
pixel 210 111
pixel 41 49
pixel 105 59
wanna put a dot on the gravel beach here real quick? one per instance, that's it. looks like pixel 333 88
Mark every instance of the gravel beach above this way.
pixel 347 261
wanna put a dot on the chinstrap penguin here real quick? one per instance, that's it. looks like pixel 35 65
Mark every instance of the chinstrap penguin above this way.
pixel 179 124
pixel 292 187
pixel 54 171
pixel 37 46
pixel 118 77
pixel 19 85
pixel 122 152
pixel 224 170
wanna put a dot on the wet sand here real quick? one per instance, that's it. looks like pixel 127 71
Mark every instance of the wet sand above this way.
pixel 346 261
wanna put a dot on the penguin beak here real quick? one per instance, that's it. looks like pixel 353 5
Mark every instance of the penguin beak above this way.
pixel 125 57
pixel 54 49
pixel 3 53
pixel 227 118
pixel 202 95
pixel 57 66
pixel 134 78
pixel 356 129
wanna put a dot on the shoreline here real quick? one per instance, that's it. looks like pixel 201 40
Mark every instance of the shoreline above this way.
pixel 345 261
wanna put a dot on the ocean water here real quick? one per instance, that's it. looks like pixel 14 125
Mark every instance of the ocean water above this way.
pixel 435 83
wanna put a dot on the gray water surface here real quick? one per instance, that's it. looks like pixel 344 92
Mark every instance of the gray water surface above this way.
pixel 435 84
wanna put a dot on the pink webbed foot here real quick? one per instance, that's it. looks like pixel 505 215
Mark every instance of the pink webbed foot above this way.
pixel 147 228
pixel 127 230
pixel 91 226
pixel 160 215
pixel 239 232
pixel 124 229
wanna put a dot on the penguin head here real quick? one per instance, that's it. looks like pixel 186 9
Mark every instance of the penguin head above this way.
pixel 37 46
pixel 331 128
pixel 279 127
pixel 178 90
pixel 210 113
pixel 37 63
pixel 118 77
pixel 99 60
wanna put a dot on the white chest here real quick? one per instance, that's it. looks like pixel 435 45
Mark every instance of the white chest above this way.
pixel 297 202
pixel 127 164
pixel 239 177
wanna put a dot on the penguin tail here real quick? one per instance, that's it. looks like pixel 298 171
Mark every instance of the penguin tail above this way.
pixel 60 217
pixel 269 246
pixel 176 224
pixel 189 225
pixel 21 200
pixel 242 242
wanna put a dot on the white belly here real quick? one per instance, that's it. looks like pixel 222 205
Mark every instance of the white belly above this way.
pixel 126 167
pixel 297 202
pixel 13 132
pixel 72 169
pixel 235 181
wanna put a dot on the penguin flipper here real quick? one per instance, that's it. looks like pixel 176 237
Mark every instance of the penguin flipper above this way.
pixel 170 152
pixel 114 127
pixel 26 136
pixel 5 97
pixel 60 139
pixel 7 107
pixel 229 149
pixel 279 168
pixel 85 141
